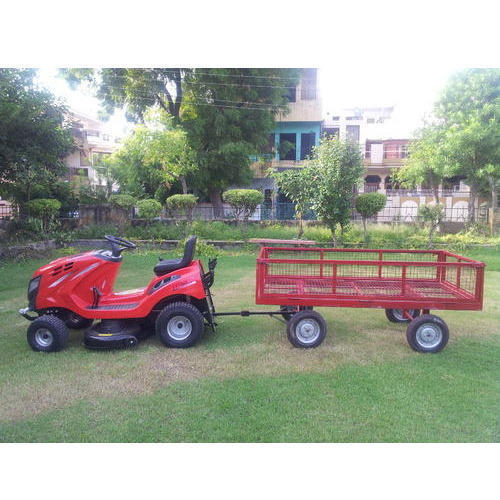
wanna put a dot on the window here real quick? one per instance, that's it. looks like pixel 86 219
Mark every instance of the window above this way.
pixel 352 133
pixel 307 142
pixel 287 146
pixel 105 137
pixel 404 151
pixel 92 133
pixel 370 120
pixel 290 94
pixel 350 118
pixel 331 132
pixel 308 88
pixel 335 118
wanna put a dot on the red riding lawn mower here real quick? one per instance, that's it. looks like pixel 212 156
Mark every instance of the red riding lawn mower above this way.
pixel 73 292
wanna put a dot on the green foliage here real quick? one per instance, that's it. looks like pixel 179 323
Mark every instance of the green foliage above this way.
pixel 243 201
pixel 203 249
pixel 431 215
pixel 149 209
pixel 335 169
pixel 370 204
pixel 183 203
pixel 296 185
pixel 33 137
pixel 227 122
pixel 44 209
pixel 124 201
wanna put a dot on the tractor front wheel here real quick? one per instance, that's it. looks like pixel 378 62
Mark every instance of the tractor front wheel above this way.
pixel 47 333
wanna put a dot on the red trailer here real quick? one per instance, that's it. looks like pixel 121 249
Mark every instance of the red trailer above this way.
pixel 406 283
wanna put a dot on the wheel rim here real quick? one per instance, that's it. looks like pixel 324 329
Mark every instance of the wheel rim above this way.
pixel 44 337
pixel 307 331
pixel 429 335
pixel 179 328
pixel 398 314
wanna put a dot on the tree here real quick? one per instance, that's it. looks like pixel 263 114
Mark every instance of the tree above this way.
pixel 335 170
pixel 368 205
pixel 34 138
pixel 464 138
pixel 133 89
pixel 243 202
pixel 151 160
pixel 295 184
pixel 431 215
pixel 228 115
pixel 427 162
pixel 183 203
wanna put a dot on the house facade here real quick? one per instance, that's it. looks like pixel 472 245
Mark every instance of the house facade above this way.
pixel 93 143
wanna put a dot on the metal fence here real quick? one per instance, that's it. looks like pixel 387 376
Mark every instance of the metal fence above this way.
pixel 286 212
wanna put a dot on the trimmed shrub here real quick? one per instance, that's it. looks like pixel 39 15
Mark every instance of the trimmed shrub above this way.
pixel 44 209
pixel 368 205
pixel 184 203
pixel 243 201
pixel 149 209
pixel 123 201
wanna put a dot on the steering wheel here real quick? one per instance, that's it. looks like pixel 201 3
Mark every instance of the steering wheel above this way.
pixel 119 244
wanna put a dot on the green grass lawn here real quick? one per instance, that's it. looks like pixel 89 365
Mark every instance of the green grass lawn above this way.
pixel 246 382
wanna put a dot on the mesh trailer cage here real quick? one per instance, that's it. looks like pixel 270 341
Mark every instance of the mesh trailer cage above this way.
pixel 414 279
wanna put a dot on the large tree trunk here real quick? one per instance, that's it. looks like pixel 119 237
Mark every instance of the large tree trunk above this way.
pixel 494 203
pixel 182 179
pixel 472 204
pixel 216 201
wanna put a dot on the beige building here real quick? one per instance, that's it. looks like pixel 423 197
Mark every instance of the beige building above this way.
pixel 94 143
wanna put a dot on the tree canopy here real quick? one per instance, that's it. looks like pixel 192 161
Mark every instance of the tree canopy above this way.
pixel 34 138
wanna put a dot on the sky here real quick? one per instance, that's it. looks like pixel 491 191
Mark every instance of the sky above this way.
pixel 411 91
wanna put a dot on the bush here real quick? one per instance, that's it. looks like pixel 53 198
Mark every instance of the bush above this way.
pixel 184 203
pixel 44 209
pixel 368 205
pixel 203 249
pixel 149 209
pixel 243 201
pixel 123 201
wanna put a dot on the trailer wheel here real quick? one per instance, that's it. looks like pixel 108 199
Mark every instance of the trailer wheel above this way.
pixel 47 333
pixel 397 316
pixel 306 329
pixel 179 325
pixel 427 333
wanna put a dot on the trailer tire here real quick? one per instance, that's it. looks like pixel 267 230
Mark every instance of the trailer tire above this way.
pixel 47 333
pixel 396 315
pixel 427 333
pixel 306 329
pixel 179 324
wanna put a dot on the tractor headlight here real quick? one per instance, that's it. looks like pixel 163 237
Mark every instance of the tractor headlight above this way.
pixel 32 291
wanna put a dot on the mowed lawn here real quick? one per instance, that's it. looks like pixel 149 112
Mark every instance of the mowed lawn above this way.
pixel 246 382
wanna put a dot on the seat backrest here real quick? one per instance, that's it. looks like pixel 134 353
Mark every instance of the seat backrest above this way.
pixel 189 249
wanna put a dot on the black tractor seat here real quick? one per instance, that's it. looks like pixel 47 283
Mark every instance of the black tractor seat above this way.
pixel 167 266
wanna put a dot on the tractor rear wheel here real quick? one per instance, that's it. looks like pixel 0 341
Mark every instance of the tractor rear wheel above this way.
pixel 179 324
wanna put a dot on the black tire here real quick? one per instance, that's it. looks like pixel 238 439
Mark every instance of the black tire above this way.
pixel 76 322
pixel 48 333
pixel 306 329
pixel 183 333
pixel 396 316
pixel 288 311
pixel 427 333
